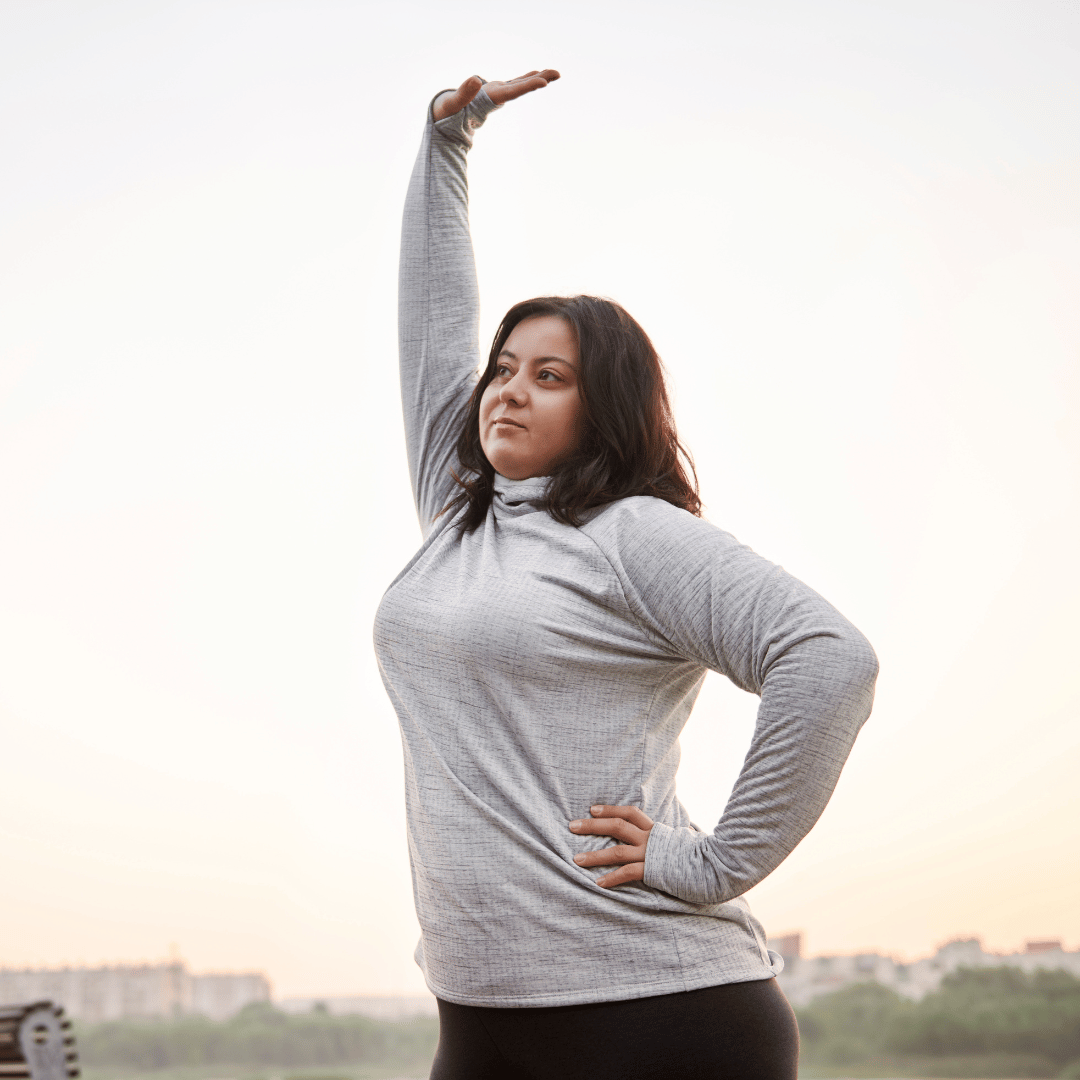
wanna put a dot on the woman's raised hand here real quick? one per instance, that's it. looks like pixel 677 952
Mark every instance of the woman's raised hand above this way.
pixel 452 101
pixel 625 823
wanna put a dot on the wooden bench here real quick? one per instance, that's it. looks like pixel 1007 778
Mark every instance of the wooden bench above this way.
pixel 36 1043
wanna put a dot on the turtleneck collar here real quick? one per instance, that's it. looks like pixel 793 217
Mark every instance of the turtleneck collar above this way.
pixel 516 497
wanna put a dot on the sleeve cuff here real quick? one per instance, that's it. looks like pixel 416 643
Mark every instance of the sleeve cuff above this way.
pixel 673 861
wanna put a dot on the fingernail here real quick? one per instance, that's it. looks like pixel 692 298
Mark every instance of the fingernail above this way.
pixel 595 809
pixel 575 825
pixel 579 859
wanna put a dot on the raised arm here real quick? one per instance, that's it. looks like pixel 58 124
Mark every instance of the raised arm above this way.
pixel 438 301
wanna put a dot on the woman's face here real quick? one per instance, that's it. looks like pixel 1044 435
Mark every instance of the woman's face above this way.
pixel 531 414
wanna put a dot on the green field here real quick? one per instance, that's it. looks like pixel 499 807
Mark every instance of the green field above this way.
pixel 416 1070
pixel 985 1024
pixel 261 1043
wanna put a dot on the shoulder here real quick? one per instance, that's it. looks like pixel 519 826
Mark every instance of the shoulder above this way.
pixel 646 520
pixel 645 537
pixel 690 584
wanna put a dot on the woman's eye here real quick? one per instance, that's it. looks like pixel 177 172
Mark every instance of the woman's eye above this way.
pixel 551 373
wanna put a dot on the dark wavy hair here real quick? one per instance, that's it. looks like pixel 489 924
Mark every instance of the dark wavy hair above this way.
pixel 629 445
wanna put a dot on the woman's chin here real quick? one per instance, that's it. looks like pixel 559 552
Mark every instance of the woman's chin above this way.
pixel 510 473
pixel 512 467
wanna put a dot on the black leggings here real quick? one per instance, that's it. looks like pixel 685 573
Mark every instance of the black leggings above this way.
pixel 739 1031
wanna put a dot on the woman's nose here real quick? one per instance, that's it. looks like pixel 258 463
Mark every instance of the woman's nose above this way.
pixel 514 392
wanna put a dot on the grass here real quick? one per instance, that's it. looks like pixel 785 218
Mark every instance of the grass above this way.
pixel 925 1069
pixel 971 1067
pixel 420 1070
pixel 414 1071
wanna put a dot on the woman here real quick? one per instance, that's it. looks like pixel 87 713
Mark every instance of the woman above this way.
pixel 543 650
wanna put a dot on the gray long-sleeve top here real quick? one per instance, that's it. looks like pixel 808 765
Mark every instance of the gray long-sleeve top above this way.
pixel 537 669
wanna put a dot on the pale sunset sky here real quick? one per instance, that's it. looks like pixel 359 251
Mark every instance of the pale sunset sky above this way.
pixel 852 230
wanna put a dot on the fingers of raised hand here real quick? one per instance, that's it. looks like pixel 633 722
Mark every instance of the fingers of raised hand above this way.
pixel 501 92
pixel 452 101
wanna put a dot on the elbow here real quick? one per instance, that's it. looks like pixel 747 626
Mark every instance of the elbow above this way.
pixel 860 665
pixel 840 668
pixel 863 659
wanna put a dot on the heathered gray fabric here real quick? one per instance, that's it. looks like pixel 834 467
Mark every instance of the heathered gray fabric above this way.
pixel 538 669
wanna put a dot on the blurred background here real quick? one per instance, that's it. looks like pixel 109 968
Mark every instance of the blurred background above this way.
pixel 852 231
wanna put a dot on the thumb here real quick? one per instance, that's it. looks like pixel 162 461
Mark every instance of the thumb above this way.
pixel 455 100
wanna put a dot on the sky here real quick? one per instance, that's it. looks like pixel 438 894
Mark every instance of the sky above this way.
pixel 852 231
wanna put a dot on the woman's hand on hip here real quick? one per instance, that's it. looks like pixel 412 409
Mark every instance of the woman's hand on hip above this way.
pixel 625 823
pixel 452 101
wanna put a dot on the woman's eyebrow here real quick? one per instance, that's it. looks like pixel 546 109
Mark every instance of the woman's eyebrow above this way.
pixel 541 359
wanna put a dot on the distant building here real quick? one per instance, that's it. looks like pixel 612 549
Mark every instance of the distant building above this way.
pixel 1041 946
pixel 789 946
pixel 805 978
pixel 220 995
pixel 403 1007
pixel 134 991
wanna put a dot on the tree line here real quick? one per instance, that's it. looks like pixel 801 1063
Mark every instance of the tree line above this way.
pixel 982 1022
pixel 259 1036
